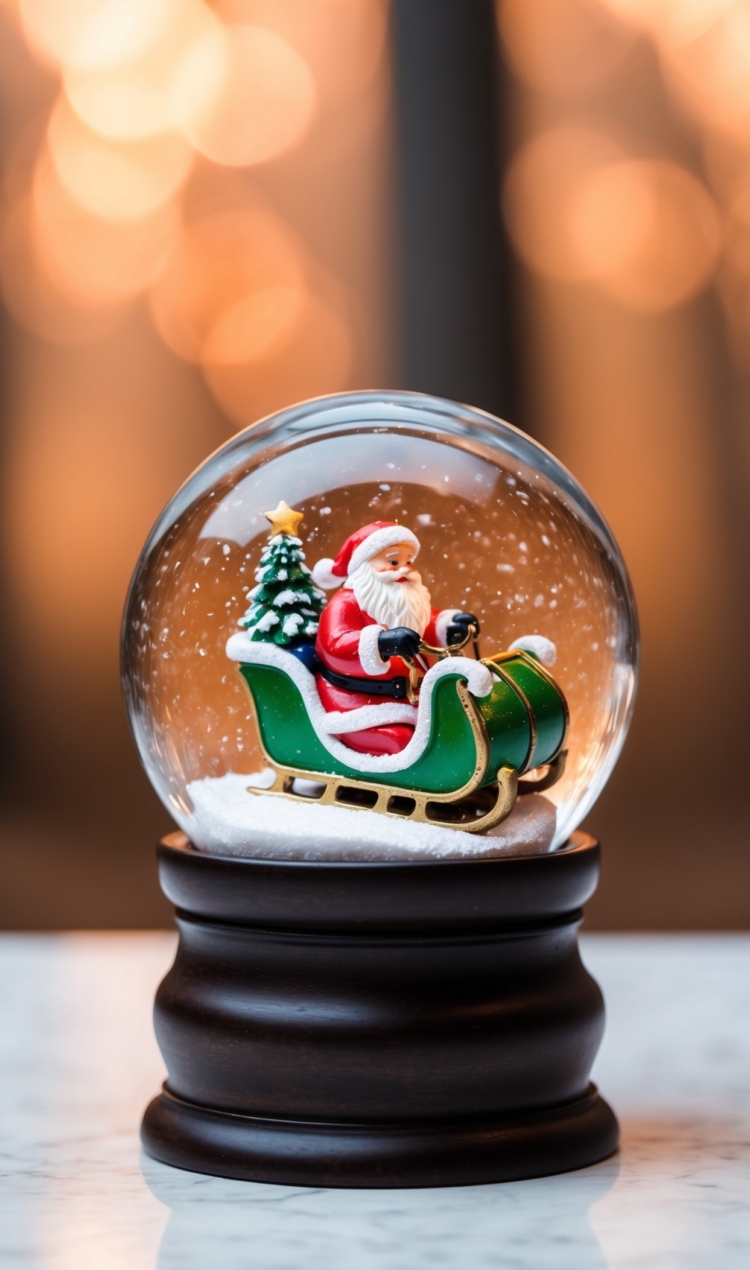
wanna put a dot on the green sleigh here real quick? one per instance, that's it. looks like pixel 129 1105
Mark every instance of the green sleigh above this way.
pixel 481 726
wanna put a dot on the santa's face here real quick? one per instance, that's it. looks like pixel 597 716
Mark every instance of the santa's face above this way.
pixel 390 591
pixel 393 557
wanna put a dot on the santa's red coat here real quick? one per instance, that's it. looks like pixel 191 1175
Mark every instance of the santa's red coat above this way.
pixel 341 647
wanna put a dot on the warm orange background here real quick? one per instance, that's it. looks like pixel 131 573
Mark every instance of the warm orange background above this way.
pixel 197 228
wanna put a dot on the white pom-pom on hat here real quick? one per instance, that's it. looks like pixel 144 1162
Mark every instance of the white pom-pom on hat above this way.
pixel 323 576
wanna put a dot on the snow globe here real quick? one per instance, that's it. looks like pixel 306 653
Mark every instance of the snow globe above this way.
pixel 379 659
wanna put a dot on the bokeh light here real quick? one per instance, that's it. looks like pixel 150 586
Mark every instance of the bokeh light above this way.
pixel 310 356
pixel 91 34
pixel 255 327
pixel 32 297
pixel 134 98
pixel 676 21
pixel 611 216
pixel 342 41
pixel 646 231
pixel 562 46
pixel 117 180
pixel 94 262
pixel 705 51
pixel 539 192
pixel 220 262
pixel 243 95
pixel 711 72
pixel 149 92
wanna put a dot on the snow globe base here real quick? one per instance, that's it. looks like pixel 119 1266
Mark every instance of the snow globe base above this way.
pixel 379 1024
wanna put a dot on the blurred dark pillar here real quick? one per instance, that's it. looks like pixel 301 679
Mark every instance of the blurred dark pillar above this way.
pixel 453 271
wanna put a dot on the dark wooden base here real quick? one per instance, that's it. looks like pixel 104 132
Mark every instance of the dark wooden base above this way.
pixel 422 1024
pixel 434 1153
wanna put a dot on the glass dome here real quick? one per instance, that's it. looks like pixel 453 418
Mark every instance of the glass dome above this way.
pixel 505 533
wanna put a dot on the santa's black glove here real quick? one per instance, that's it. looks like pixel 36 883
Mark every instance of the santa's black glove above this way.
pixel 458 627
pixel 401 641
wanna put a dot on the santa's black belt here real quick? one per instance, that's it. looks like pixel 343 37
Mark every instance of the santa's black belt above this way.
pixel 393 688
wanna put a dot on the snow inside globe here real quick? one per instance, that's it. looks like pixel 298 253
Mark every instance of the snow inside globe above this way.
pixel 379 626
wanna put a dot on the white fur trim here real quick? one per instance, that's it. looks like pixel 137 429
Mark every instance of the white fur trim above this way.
pixel 539 645
pixel 378 540
pixel 369 653
pixel 379 716
pixel 479 678
pixel 323 577
pixel 442 622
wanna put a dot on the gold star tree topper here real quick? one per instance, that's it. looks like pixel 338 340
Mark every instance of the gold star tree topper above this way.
pixel 284 520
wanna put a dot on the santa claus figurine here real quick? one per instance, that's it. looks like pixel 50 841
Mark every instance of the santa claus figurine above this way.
pixel 373 623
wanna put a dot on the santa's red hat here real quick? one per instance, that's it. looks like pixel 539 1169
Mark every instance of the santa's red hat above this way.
pixel 359 547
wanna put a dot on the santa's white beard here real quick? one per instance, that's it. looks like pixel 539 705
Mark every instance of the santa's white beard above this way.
pixel 395 597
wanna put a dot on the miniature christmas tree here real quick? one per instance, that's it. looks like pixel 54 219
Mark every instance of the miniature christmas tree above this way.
pixel 285 605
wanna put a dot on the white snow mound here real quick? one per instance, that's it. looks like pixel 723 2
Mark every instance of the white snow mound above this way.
pixel 228 820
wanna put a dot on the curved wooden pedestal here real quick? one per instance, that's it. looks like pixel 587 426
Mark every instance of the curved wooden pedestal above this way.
pixel 415 1024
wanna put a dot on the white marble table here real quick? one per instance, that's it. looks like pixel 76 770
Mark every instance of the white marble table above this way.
pixel 78 1062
